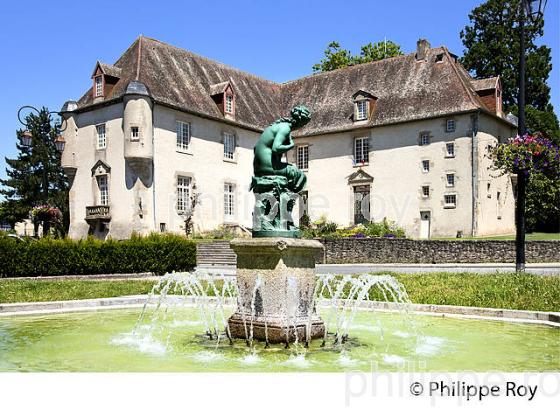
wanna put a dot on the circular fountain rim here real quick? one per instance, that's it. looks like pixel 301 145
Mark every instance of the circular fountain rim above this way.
pixel 137 301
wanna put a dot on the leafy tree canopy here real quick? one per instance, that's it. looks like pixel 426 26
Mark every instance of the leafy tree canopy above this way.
pixel 492 47
pixel 337 57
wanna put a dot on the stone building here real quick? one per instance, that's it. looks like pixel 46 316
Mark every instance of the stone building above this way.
pixel 404 138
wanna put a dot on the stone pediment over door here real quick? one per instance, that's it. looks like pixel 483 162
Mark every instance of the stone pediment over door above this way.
pixel 360 177
pixel 100 168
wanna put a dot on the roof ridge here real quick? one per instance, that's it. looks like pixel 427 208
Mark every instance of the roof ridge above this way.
pixel 468 89
pixel 138 58
pixel 229 67
pixel 126 51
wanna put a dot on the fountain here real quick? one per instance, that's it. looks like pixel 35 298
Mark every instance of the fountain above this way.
pixel 275 269
pixel 275 284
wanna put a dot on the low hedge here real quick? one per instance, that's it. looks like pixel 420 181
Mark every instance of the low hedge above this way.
pixel 55 257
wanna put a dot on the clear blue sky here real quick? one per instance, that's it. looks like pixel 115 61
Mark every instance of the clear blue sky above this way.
pixel 49 48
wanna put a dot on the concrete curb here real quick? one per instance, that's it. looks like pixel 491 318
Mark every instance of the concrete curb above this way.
pixel 466 312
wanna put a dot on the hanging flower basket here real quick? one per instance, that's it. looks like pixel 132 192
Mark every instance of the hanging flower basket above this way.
pixel 527 154
pixel 46 213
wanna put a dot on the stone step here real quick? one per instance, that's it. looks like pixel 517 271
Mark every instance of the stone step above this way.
pixel 216 253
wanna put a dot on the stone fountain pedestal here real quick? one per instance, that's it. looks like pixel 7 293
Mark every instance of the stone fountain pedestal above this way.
pixel 276 281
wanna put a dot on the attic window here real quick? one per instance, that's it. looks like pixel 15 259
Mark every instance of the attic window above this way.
pixel 439 58
pixel 99 86
pixel 361 110
pixel 229 104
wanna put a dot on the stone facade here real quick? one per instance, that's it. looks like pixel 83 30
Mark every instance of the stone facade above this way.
pixel 373 250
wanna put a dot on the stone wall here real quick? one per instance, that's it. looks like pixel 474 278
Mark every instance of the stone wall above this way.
pixel 373 250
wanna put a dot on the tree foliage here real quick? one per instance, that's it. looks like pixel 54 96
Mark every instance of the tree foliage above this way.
pixel 337 57
pixel 492 47
pixel 35 177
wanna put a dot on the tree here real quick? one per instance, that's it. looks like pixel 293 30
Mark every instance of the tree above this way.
pixel 378 51
pixel 337 57
pixel 492 46
pixel 35 177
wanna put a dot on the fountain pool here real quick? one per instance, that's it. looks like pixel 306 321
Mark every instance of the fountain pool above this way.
pixel 175 333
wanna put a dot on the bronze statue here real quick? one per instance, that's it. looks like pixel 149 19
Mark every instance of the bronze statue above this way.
pixel 276 183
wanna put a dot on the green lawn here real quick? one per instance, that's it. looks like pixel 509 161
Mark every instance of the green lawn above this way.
pixel 20 290
pixel 535 236
pixel 508 291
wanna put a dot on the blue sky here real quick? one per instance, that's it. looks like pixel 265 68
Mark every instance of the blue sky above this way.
pixel 49 48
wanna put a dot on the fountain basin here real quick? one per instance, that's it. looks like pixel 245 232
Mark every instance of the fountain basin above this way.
pixel 276 285
pixel 385 341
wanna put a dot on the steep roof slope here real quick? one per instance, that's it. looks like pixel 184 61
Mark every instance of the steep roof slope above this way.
pixel 406 89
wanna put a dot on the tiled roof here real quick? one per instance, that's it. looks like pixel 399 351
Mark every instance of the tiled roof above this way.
pixel 406 89
pixel 484 84
pixel 110 70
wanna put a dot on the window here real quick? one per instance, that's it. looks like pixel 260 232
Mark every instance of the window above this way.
pixel 101 137
pixel 439 58
pixel 162 227
pixel 361 110
pixel 183 135
pixel 103 190
pixel 361 150
pixel 99 86
pixel 450 126
pixel 450 200
pixel 229 104
pixel 302 157
pixel 134 133
pixel 229 145
pixel 426 165
pixel 450 149
pixel 450 179
pixel 183 194
pixel 426 191
pixel 424 138
pixel 229 199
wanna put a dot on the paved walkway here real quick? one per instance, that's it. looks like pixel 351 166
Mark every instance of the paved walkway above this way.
pixel 355 268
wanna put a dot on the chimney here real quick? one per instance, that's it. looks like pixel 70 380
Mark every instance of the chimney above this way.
pixel 422 47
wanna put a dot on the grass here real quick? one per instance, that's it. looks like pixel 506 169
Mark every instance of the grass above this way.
pixel 20 290
pixel 507 291
pixel 535 236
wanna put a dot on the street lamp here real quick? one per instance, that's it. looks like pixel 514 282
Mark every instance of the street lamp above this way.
pixel 27 141
pixel 27 136
pixel 534 10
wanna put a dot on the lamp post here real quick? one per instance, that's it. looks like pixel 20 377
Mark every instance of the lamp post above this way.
pixel 27 140
pixel 532 10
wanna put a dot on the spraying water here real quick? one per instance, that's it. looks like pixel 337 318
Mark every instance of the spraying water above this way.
pixel 215 294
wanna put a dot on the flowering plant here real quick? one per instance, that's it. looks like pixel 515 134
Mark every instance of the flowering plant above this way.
pixel 527 154
pixel 46 213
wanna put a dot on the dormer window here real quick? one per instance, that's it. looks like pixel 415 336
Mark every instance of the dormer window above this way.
pixel 229 104
pixel 104 76
pixel 364 104
pixel 361 110
pixel 99 86
pixel 223 95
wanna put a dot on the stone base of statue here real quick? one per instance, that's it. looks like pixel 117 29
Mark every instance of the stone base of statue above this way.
pixel 276 281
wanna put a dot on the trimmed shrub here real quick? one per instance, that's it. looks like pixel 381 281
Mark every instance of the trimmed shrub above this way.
pixel 55 257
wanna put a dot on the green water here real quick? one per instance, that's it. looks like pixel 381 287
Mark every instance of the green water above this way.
pixel 102 341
